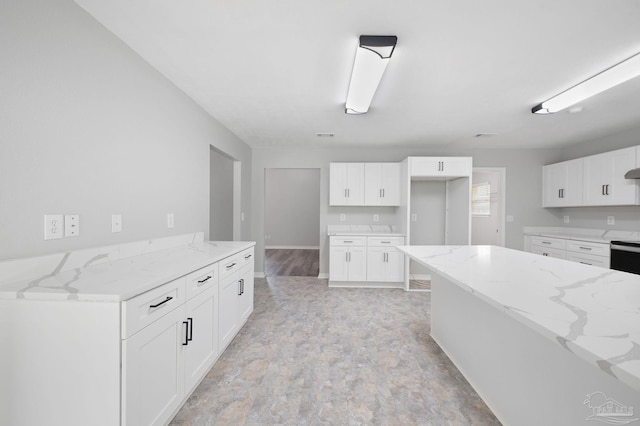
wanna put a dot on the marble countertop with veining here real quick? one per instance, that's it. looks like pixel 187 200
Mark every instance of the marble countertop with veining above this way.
pixel 364 230
pixel 121 279
pixel 590 311
pixel 582 234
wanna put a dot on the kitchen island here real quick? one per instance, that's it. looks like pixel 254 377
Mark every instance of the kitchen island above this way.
pixel 540 339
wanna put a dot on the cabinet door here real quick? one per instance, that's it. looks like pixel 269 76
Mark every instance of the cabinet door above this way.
pixel 390 184
pixel 440 166
pixel 376 257
pixel 604 182
pixel 338 263
pixel 228 317
pixel 202 347
pixel 394 265
pixel 562 184
pixel 152 371
pixel 346 184
pixel 245 300
pixel 357 264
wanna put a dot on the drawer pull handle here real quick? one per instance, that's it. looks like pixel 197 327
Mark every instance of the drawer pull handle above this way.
pixel 345 241
pixel 585 263
pixel 248 256
pixel 161 303
pixel 546 242
pixel 204 280
pixel 190 330
pixel 385 242
pixel 585 248
pixel 231 266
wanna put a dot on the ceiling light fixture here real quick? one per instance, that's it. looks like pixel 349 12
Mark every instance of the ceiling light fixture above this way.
pixel 372 57
pixel 624 71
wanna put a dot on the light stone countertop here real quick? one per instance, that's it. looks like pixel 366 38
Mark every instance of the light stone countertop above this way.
pixel 592 312
pixel 582 234
pixel 120 279
pixel 364 230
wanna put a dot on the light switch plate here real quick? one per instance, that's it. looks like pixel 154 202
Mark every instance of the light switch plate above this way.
pixel 343 217
pixel 71 225
pixel 414 217
pixel 53 226
pixel 509 218
pixel 566 219
pixel 376 218
pixel 611 220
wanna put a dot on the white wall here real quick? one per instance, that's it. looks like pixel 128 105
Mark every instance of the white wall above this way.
pixel 88 127
pixel 523 167
pixel 292 207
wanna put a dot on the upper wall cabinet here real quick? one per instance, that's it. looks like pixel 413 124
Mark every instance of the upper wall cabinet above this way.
pixel 382 184
pixel 364 184
pixel 446 167
pixel 604 181
pixel 597 180
pixel 562 184
pixel 346 184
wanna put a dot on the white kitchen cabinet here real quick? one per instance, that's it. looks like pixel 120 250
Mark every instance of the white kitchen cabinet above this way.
pixel 604 182
pixel 347 259
pixel 153 372
pixel 440 167
pixel 586 252
pixel 346 184
pixel 384 262
pixel 562 184
pixel 236 294
pixel 382 184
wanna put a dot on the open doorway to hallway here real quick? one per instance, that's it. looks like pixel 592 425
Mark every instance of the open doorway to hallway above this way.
pixel 292 222
pixel 488 206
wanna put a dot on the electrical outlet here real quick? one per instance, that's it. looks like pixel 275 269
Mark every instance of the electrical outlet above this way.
pixel 566 219
pixel 71 225
pixel 170 220
pixel 242 217
pixel 53 226
pixel 611 220
pixel 414 217
pixel 376 218
pixel 509 218
pixel 116 223
pixel 343 217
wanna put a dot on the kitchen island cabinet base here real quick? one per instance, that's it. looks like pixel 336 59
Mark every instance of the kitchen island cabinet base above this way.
pixel 366 284
pixel 521 375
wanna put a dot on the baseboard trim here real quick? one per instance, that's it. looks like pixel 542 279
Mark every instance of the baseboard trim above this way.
pixel 292 247
pixel 258 274
pixel 323 276
pixel 366 284
pixel 420 277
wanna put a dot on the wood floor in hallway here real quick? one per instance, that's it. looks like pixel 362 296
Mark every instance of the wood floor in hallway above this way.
pixel 314 355
pixel 291 262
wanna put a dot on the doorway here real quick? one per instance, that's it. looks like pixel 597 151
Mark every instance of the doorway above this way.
pixel 224 196
pixel 292 222
pixel 488 206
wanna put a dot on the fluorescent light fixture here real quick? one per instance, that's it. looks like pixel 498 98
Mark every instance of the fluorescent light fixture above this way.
pixel 624 71
pixel 372 57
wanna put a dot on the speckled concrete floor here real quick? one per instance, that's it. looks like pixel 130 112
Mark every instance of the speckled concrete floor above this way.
pixel 310 354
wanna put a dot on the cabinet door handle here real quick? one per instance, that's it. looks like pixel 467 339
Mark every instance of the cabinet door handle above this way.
pixel 607 189
pixel 161 303
pixel 231 266
pixel 345 193
pixel 200 282
pixel 186 334
pixel 241 286
pixel 382 192
pixel 190 329
pixel 602 189
pixel 559 196
pixel 348 193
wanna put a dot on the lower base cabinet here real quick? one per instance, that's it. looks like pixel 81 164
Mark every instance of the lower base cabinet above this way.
pixel 366 259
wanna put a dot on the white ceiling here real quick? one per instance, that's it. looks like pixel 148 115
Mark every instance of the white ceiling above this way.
pixel 276 72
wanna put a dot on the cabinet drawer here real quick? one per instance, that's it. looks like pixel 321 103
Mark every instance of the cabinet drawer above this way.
pixel 589 248
pixel 229 265
pixel 549 242
pixel 202 279
pixel 589 259
pixel 146 308
pixel 348 241
pixel 549 251
pixel 246 257
pixel 384 241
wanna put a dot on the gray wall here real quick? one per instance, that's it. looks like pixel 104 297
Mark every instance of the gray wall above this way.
pixel 292 207
pixel 523 171
pixel 87 127
pixel 221 201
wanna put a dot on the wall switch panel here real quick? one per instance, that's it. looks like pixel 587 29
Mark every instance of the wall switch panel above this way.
pixel 376 218
pixel 343 217
pixel 611 220
pixel 566 219
pixel 242 217
pixel 170 220
pixel 414 217
pixel 509 218
pixel 71 225
pixel 116 223
pixel 53 226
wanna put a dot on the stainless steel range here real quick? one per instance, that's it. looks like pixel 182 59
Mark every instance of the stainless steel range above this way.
pixel 625 256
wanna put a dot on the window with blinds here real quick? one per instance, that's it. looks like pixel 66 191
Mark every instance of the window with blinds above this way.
pixel 481 199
